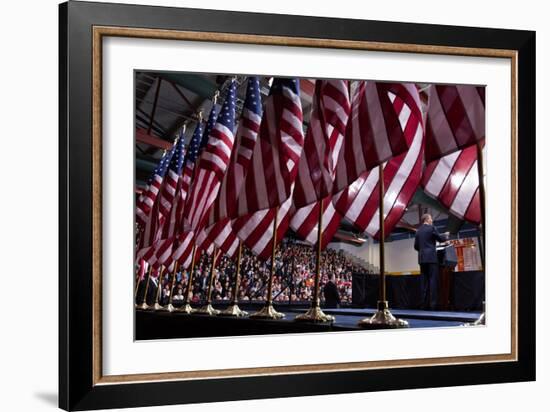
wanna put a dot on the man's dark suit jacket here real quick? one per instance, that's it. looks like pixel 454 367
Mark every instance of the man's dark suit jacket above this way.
pixel 424 242
pixel 332 298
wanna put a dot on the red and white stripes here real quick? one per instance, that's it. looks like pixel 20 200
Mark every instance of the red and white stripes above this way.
pixel 305 222
pixel 256 230
pixel 454 181
pixel 276 153
pixel 324 138
pixel 456 119
pixel 360 202
pixel 374 133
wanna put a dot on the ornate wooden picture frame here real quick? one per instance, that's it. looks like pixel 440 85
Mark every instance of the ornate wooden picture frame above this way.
pixel 82 382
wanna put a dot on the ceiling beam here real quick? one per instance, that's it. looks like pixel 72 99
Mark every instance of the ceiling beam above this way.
pixel 143 137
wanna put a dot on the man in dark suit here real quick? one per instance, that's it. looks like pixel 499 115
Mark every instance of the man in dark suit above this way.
pixel 332 298
pixel 424 243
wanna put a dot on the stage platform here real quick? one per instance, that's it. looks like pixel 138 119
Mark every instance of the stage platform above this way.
pixel 164 325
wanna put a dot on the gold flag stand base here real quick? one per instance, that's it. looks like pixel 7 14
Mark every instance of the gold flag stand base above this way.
pixel 207 310
pixel 156 306
pixel 168 308
pixel 480 321
pixel 233 310
pixel 267 312
pixel 186 309
pixel 314 314
pixel 143 306
pixel 383 319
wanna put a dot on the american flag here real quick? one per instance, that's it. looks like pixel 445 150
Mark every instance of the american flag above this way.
pixel 212 164
pixel 359 203
pixel 219 227
pixel 150 231
pixel 455 126
pixel 169 194
pixel 212 117
pixel 374 134
pixel 454 181
pixel 456 119
pixel 305 222
pixel 148 197
pixel 247 132
pixel 170 205
pixel 191 156
pixel 181 251
pixel 277 151
pixel 324 138
pixel 224 239
pixel 256 230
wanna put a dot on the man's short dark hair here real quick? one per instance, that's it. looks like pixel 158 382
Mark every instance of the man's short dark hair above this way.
pixel 425 217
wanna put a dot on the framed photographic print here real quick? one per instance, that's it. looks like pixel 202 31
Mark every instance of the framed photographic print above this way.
pixel 257 205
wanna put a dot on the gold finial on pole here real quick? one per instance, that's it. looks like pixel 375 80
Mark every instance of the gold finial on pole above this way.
pixel 186 307
pixel 233 308
pixel 382 318
pixel 208 309
pixel 268 311
pixel 315 314
pixel 216 97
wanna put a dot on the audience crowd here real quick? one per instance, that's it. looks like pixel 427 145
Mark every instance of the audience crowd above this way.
pixel 293 281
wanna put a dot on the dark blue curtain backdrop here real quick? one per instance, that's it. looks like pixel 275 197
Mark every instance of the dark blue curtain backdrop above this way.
pixel 465 290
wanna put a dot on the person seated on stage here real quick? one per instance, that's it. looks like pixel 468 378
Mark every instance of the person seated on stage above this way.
pixel 332 297
pixel 424 243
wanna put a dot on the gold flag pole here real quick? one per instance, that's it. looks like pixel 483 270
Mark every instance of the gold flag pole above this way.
pixel 186 307
pixel 208 309
pixel 315 314
pixel 144 305
pixel 481 319
pixel 169 307
pixel 382 318
pixel 157 305
pixel 233 308
pixel 138 281
pixel 268 311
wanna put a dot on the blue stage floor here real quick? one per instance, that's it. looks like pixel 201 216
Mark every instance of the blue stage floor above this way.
pixel 416 318
pixel 164 325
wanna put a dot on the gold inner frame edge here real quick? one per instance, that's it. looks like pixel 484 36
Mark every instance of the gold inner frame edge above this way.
pixel 98 32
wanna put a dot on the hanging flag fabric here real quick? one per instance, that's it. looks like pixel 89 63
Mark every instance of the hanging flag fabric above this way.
pixel 211 122
pixel 323 141
pixel 191 156
pixel 183 251
pixel 148 197
pixel 256 230
pixel 374 133
pixel 456 119
pixel 170 205
pixel 453 180
pixel 170 195
pixel 219 228
pixel 277 151
pixel 150 222
pixel 247 132
pixel 225 240
pixel 212 165
pixel 305 222
pixel 359 203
